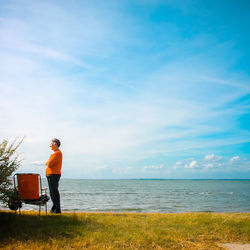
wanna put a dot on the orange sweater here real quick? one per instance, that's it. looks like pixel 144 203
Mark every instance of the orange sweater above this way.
pixel 54 164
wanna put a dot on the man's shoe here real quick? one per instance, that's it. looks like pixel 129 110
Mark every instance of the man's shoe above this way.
pixel 52 210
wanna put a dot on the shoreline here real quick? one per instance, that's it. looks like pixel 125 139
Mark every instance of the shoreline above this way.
pixel 123 212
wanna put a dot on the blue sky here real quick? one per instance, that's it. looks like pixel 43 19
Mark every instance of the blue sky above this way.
pixel 133 89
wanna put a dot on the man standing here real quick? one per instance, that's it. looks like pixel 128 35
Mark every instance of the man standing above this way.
pixel 53 173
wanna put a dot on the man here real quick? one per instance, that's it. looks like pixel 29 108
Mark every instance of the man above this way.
pixel 53 173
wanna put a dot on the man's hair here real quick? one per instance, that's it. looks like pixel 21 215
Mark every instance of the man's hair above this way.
pixel 56 141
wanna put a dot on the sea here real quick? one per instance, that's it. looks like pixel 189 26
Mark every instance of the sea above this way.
pixel 154 196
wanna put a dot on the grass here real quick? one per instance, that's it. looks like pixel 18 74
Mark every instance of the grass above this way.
pixel 122 230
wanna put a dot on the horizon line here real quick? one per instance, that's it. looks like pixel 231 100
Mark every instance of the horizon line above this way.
pixel 230 179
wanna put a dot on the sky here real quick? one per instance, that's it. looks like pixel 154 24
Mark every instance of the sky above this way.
pixel 133 89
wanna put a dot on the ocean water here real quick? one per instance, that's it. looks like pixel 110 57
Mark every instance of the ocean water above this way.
pixel 163 196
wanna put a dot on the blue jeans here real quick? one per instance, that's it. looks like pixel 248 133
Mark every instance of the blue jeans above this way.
pixel 53 181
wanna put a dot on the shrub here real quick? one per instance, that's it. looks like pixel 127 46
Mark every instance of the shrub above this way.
pixel 9 162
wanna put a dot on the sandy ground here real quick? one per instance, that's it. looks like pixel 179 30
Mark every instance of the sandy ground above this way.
pixel 234 246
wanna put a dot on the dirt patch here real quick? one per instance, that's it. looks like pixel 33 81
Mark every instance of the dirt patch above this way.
pixel 236 246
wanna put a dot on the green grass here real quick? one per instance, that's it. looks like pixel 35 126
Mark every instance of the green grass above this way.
pixel 122 230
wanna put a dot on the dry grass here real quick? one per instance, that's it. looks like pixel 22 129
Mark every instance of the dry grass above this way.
pixel 122 230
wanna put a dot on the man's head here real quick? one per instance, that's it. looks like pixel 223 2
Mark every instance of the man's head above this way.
pixel 55 144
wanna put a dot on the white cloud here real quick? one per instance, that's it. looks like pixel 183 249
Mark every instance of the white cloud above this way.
pixel 212 157
pixel 39 163
pixel 153 167
pixel 102 168
pixel 209 165
pixel 209 157
pixel 213 163
pixel 235 158
pixel 239 163
pixel 191 165
pixel 178 163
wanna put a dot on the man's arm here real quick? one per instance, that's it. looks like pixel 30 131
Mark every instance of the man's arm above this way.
pixel 54 158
